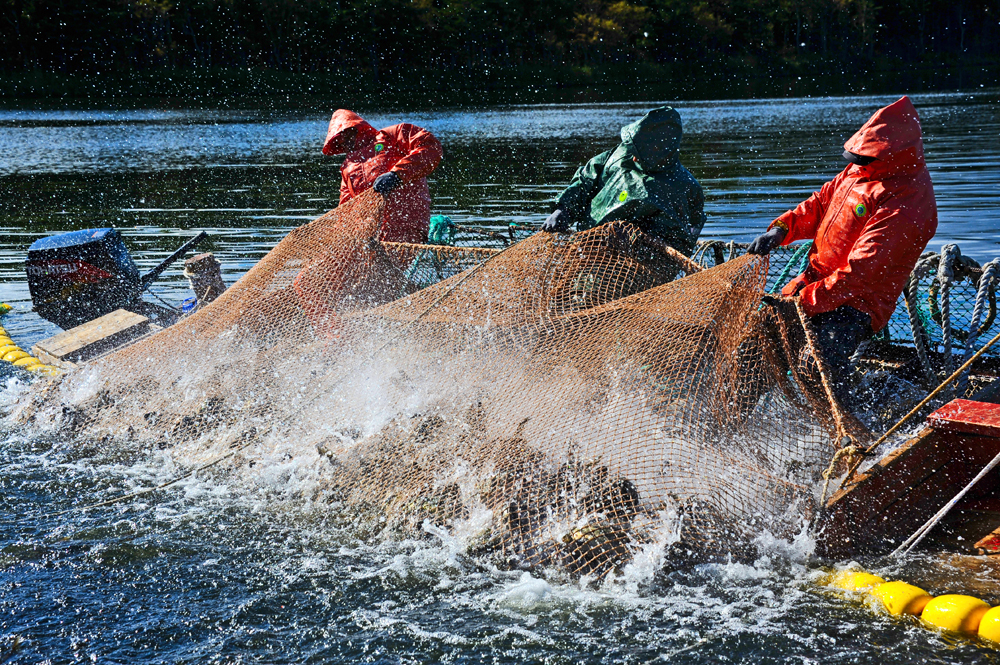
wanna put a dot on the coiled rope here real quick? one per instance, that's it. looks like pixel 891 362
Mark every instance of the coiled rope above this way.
pixel 927 262
pixel 985 296
pixel 946 277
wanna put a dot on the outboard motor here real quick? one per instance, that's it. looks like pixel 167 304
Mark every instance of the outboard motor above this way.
pixel 78 276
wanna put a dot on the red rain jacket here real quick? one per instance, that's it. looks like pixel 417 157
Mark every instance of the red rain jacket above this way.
pixel 870 223
pixel 413 153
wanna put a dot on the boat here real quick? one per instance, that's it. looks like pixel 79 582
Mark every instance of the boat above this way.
pixel 87 283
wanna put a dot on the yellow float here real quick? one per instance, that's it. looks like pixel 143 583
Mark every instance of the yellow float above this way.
pixel 956 613
pixel 901 598
pixel 989 626
pixel 14 354
pixel 854 580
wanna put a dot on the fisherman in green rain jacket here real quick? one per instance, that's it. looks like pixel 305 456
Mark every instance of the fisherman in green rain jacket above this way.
pixel 641 181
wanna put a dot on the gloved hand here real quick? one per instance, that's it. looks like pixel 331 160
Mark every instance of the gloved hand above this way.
pixel 770 300
pixel 556 222
pixel 765 242
pixel 781 305
pixel 387 182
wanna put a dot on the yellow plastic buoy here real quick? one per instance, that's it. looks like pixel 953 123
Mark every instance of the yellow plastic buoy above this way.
pixel 45 370
pixel 854 580
pixel 7 348
pixel 27 362
pixel 961 614
pixel 989 625
pixel 902 598
pixel 15 355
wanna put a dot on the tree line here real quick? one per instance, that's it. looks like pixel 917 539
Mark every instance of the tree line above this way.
pixel 375 37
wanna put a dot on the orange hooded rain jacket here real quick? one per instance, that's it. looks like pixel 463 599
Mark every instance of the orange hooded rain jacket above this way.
pixel 870 223
pixel 413 153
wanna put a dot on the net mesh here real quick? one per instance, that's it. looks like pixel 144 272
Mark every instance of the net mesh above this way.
pixel 565 397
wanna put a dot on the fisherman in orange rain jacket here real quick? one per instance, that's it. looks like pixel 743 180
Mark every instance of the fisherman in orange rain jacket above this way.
pixel 869 226
pixel 395 162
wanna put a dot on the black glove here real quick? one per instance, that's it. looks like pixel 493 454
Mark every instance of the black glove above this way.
pixel 765 242
pixel 770 300
pixel 387 182
pixel 556 222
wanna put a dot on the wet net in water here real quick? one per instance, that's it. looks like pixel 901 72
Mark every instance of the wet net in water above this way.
pixel 565 398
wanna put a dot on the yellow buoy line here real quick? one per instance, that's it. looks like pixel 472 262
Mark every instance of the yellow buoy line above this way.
pixel 965 615
pixel 14 354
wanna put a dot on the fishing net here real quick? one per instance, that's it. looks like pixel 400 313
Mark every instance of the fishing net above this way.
pixel 565 399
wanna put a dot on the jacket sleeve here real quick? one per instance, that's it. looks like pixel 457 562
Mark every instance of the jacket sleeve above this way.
pixel 696 203
pixel 345 191
pixel 804 220
pixel 423 151
pixel 881 248
pixel 575 199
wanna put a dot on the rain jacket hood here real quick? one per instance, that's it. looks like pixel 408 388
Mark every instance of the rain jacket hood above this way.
pixel 344 119
pixel 891 136
pixel 654 139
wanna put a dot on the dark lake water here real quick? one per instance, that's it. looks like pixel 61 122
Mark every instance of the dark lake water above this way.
pixel 228 570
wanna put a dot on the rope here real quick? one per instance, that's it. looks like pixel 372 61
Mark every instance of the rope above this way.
pixel 985 295
pixel 859 353
pixel 847 451
pixel 824 372
pixel 950 255
pixel 701 248
pixel 882 439
pixel 484 232
pixel 799 256
pixel 686 264
pixel 917 326
pixel 907 546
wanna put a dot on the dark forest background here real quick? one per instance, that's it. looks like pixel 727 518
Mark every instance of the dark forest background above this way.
pixel 68 47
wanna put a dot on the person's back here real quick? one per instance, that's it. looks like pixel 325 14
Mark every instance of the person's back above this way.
pixel 641 181
pixel 394 161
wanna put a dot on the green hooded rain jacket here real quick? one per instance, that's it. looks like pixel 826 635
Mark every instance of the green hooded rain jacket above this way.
pixel 641 181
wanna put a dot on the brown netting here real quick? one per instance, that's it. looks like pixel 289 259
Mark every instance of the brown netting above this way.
pixel 565 398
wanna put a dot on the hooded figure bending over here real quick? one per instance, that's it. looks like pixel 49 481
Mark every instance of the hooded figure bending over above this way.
pixel 395 162
pixel 869 226
pixel 641 181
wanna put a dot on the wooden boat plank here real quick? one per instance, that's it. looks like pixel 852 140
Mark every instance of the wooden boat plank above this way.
pixel 94 337
pixel 991 543
pixel 966 416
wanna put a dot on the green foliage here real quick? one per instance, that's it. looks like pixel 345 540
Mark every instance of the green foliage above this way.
pixel 379 38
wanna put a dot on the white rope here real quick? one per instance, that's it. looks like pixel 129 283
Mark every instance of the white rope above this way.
pixel 907 546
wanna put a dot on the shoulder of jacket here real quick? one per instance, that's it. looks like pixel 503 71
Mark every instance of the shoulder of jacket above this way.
pixel 692 181
pixel 402 127
pixel 618 154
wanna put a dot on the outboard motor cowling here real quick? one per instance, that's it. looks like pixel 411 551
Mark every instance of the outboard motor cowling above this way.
pixel 78 276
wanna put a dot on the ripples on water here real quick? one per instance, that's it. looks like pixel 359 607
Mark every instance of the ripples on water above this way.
pixel 247 568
